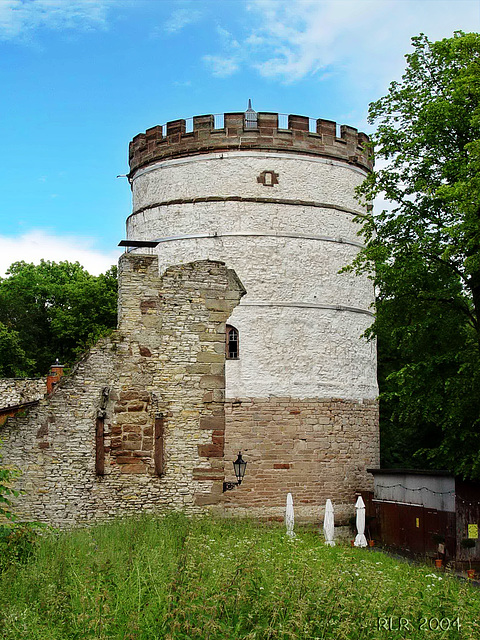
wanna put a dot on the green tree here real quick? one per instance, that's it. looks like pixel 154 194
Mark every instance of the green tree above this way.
pixel 424 256
pixel 14 362
pixel 52 310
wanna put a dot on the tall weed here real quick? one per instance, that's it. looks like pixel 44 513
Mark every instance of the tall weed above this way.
pixel 176 578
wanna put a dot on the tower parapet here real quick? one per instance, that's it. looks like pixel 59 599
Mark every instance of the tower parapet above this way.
pixel 172 140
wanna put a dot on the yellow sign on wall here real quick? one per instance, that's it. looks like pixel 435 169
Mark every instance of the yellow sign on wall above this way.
pixel 472 530
pixel 417 522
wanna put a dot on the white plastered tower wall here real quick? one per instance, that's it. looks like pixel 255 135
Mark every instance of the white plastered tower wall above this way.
pixel 301 320
pixel 287 236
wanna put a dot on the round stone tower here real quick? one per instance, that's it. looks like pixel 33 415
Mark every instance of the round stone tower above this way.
pixel 274 199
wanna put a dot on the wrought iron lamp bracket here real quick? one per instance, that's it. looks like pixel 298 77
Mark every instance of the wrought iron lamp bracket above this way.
pixel 228 486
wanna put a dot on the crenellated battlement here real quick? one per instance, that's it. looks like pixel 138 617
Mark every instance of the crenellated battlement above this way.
pixel 303 135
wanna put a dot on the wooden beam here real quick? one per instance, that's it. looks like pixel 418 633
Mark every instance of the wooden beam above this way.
pixel 100 446
pixel 159 445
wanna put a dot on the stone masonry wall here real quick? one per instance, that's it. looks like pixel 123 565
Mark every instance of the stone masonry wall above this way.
pixel 174 141
pixel 14 391
pixel 91 450
pixel 313 448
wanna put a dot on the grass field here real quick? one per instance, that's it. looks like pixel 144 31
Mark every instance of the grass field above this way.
pixel 180 578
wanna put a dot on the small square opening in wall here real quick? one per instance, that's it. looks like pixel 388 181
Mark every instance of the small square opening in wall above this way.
pixel 268 178
pixel 231 343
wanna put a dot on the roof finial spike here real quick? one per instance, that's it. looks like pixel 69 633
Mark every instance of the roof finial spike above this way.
pixel 250 117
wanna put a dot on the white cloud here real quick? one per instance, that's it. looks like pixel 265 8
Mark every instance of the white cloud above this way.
pixel 227 38
pixel 180 19
pixel 307 36
pixel 36 245
pixel 364 41
pixel 19 17
pixel 222 67
pixel 254 40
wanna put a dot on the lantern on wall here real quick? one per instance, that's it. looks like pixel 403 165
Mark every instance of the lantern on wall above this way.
pixel 239 466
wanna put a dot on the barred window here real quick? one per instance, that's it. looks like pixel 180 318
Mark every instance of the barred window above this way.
pixel 231 346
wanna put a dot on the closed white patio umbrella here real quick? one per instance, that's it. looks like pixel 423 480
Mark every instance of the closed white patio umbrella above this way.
pixel 290 516
pixel 329 524
pixel 360 540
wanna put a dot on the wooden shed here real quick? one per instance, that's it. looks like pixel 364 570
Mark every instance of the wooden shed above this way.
pixel 415 511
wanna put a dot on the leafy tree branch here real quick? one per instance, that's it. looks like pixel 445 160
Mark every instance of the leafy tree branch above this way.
pixel 423 254
pixel 52 310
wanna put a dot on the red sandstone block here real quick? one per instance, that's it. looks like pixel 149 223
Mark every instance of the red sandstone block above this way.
pixel 131 428
pixel 213 422
pixel 126 460
pixel 138 139
pixel 281 465
pixel 202 499
pixel 139 406
pixel 176 128
pixel 153 133
pixel 299 137
pixel 203 122
pixel 133 468
pixel 148 306
pixel 210 450
pixel 134 395
pixel 267 120
pixel 208 474
pixel 233 134
pixel 134 437
pixel 349 134
pixel 147 444
pixel 175 139
pixel 130 446
pixel 234 120
pixel 211 477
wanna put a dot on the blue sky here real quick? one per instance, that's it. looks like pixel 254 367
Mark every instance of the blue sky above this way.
pixel 80 78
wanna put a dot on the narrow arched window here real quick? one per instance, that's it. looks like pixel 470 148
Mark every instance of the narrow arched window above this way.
pixel 231 346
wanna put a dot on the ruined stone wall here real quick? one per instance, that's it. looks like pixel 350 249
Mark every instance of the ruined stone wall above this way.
pixel 313 448
pixel 91 450
pixel 14 391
